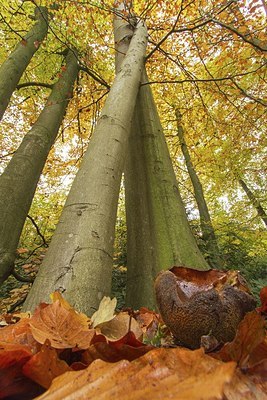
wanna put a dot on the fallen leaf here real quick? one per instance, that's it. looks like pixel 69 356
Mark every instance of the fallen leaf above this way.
pixel 44 366
pixel 159 374
pixel 250 334
pixel 64 328
pixel 22 250
pixel 263 299
pixel 84 320
pixel 119 326
pixel 105 312
pixel 127 348
pixel 242 387
pixel 12 358
pixel 19 333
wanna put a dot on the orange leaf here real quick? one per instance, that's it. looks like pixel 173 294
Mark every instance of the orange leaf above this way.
pixel 11 354
pixel 63 327
pixel 263 299
pixel 160 374
pixel 44 366
pixel 127 348
pixel 12 358
pixel 250 333
pixel 19 333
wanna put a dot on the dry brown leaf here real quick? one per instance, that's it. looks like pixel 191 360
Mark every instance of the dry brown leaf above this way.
pixel 19 333
pixel 105 312
pixel 250 334
pixel 12 358
pixel 119 326
pixel 44 366
pixel 127 348
pixel 160 374
pixel 84 320
pixel 242 387
pixel 63 327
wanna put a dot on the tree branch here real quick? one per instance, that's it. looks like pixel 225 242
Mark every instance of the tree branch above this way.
pixel 254 42
pixel 38 230
pixel 192 80
pixel 22 278
pixel 28 84
pixel 257 100
pixel 94 76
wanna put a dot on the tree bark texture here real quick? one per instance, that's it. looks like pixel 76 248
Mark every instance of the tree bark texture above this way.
pixel 19 180
pixel 254 201
pixel 158 232
pixel 79 259
pixel 12 69
pixel 208 233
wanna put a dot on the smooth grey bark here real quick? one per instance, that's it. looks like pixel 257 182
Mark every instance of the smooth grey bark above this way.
pixel 19 180
pixel 158 233
pixel 12 69
pixel 208 233
pixel 79 260
pixel 254 201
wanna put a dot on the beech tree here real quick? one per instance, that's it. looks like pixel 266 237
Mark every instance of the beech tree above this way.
pixel 208 233
pixel 254 201
pixel 158 233
pixel 12 69
pixel 79 260
pixel 19 180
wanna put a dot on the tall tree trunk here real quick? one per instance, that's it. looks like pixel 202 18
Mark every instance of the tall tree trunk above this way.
pixel 79 259
pixel 254 201
pixel 208 233
pixel 158 233
pixel 18 181
pixel 12 69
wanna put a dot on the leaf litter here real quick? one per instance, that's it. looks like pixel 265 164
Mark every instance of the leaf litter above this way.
pixel 60 353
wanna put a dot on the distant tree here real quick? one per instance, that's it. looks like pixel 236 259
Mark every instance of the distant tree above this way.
pixel 19 180
pixel 208 233
pixel 254 201
pixel 14 66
